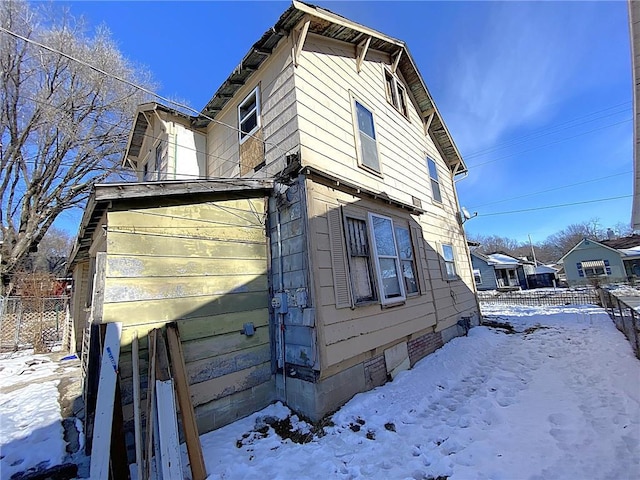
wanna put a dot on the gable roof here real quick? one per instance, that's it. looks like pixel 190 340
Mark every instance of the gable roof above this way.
pixel 581 242
pixel 328 24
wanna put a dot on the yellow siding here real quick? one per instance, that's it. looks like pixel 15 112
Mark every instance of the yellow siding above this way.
pixel 278 115
pixel 204 266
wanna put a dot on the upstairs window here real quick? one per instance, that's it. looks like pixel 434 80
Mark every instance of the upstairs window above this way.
pixel 396 93
pixel 449 262
pixel 435 183
pixel 477 276
pixel 366 138
pixel 249 115
pixel 160 163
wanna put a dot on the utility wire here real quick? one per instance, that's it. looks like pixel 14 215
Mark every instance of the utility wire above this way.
pixel 552 189
pixel 554 206
pixel 551 143
pixel 548 130
pixel 134 85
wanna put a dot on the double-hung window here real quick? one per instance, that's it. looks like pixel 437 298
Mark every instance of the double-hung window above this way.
pixel 396 94
pixel 407 261
pixel 366 137
pixel 435 183
pixel 159 162
pixel 387 261
pixel 449 262
pixel 249 115
pixel 362 283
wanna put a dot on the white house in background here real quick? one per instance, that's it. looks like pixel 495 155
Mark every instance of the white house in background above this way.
pixel 606 261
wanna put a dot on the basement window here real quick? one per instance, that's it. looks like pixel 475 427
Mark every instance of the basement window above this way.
pixel 249 115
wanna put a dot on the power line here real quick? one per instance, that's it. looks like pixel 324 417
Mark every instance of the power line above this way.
pixel 554 206
pixel 136 86
pixel 548 130
pixel 551 143
pixel 553 189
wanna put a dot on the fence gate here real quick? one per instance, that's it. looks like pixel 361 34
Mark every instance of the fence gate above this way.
pixel 33 322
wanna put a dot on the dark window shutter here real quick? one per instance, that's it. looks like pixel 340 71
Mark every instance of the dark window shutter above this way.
pixel 341 284
pixel 580 271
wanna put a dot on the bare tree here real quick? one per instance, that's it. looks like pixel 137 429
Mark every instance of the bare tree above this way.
pixel 63 125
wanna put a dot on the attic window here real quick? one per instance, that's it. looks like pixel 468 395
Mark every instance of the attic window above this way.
pixel 396 93
pixel 249 115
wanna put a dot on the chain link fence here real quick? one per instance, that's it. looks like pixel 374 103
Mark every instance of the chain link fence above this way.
pixel 32 322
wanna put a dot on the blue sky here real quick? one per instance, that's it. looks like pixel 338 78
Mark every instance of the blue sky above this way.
pixel 537 95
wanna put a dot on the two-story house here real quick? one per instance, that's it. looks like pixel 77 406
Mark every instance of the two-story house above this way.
pixel 303 230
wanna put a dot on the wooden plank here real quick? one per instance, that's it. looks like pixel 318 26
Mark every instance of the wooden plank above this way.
pixel 192 439
pixel 99 467
pixel 168 430
pixel 137 424
pixel 149 311
pixel 134 266
pixel 118 454
pixel 150 405
pixel 162 288
pixel 149 244
pixel 221 344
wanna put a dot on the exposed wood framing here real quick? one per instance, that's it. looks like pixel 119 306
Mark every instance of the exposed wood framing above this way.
pixel 299 37
pixel 137 423
pixel 428 119
pixel 361 52
pixel 194 449
pixel 394 67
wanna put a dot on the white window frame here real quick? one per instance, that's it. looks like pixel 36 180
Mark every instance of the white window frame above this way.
pixel 450 275
pixel 384 300
pixel 411 260
pixel 477 276
pixel 434 179
pixel 357 132
pixel 396 93
pixel 244 136
pixel 159 157
pixel 369 260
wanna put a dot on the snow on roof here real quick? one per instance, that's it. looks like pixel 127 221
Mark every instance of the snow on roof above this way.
pixel 631 252
pixel 501 258
pixel 545 269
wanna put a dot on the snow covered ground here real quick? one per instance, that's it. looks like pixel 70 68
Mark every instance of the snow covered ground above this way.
pixel 558 399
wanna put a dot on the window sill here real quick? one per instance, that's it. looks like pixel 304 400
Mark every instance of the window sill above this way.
pixel 370 170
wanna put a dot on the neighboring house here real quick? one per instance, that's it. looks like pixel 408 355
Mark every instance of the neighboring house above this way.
pixel 606 261
pixel 499 271
pixel 303 230
pixel 544 276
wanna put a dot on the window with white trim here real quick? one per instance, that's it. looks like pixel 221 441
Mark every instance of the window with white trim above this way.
pixel 387 261
pixel 477 276
pixel 435 183
pixel 367 148
pixel 593 268
pixel 396 93
pixel 449 262
pixel 249 115
pixel 160 164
